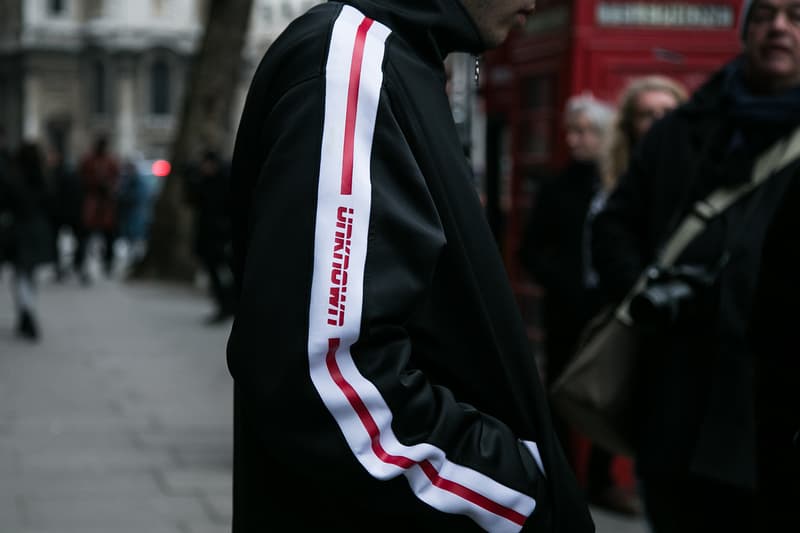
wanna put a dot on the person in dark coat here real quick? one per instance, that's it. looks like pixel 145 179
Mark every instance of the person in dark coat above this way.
pixel 552 249
pixel 777 371
pixel 66 197
pixel 31 238
pixel 6 205
pixel 134 210
pixel 696 439
pixel 554 252
pixel 99 172
pixel 208 193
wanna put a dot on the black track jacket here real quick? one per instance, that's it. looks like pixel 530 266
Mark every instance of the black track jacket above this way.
pixel 383 378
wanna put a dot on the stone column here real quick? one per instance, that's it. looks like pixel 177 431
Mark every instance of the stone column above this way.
pixel 31 115
pixel 127 144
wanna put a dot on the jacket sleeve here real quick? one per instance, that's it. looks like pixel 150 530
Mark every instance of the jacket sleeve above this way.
pixel 343 242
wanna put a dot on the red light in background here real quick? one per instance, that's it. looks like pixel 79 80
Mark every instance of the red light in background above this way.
pixel 161 168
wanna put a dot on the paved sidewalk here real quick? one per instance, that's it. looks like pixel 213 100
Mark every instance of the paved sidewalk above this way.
pixel 119 420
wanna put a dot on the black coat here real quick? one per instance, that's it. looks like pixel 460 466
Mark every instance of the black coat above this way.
pixel 696 403
pixel 6 204
pixel 26 233
pixel 774 335
pixel 209 196
pixel 67 197
pixel 553 253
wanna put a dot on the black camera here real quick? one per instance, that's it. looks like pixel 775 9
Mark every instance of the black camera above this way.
pixel 670 293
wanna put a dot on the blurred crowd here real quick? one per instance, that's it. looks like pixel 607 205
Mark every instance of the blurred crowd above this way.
pixel 58 215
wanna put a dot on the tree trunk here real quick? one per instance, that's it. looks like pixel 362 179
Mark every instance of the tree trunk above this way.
pixel 204 123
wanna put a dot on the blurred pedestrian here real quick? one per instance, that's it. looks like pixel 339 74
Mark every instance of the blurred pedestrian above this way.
pixel 643 101
pixel 376 336
pixel 134 198
pixel 66 197
pixel 696 440
pixel 6 205
pixel 208 192
pixel 554 252
pixel 30 243
pixel 99 174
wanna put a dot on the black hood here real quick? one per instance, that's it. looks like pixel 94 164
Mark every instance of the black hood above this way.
pixel 442 25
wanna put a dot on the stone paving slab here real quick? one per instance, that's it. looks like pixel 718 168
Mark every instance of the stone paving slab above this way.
pixel 193 481
pixel 54 484
pixel 118 528
pixel 119 420
pixel 98 511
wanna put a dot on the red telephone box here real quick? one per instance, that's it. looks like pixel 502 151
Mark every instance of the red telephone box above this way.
pixel 574 46
pixel 570 47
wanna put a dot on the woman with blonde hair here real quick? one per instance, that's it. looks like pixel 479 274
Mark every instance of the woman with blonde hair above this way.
pixel 642 102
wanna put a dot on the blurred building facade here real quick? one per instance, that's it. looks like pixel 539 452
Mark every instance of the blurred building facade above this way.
pixel 70 69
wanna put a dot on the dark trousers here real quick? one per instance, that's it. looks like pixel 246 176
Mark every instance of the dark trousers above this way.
pixel 83 236
pixel 220 278
pixel 691 504
pixel 598 474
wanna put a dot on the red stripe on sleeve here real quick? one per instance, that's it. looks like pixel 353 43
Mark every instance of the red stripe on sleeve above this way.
pixel 404 462
pixel 352 106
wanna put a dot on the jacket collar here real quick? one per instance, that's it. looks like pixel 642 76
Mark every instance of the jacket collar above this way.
pixel 441 26
pixel 709 98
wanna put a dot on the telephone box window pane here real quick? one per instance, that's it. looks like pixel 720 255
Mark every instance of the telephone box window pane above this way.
pixel 536 139
pixel 538 94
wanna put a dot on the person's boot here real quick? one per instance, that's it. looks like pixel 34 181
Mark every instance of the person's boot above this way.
pixel 27 327
pixel 60 273
pixel 108 269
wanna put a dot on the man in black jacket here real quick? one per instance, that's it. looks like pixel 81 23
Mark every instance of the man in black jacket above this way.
pixel 383 378
pixel 696 451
